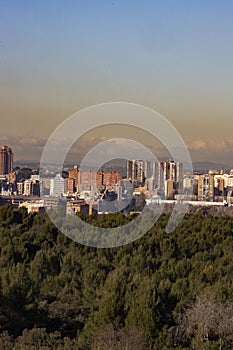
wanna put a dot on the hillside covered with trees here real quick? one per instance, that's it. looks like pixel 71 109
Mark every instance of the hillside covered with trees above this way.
pixel 163 291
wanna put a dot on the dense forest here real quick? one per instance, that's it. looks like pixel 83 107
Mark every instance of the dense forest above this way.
pixel 163 291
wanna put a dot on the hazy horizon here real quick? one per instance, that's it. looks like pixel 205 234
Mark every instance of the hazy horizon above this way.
pixel 175 57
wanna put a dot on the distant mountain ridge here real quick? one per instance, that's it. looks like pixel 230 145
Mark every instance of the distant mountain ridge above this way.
pixel 206 166
pixel 120 163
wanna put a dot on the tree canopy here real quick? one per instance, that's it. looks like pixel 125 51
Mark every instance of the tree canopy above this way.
pixel 163 291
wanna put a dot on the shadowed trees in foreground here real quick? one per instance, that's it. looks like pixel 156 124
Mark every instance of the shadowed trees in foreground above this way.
pixel 163 291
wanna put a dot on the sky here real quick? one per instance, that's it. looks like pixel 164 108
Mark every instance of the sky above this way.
pixel 58 57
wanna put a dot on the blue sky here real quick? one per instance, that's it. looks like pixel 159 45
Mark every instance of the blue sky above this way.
pixel 176 57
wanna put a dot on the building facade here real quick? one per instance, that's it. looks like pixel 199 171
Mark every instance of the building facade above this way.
pixel 206 187
pixel 6 160
pixel 57 186
pixel 138 171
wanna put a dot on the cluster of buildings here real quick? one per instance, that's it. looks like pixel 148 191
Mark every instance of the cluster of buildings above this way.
pixel 87 190
pixel 85 181
pixel 162 177
pixel 89 180
pixel 14 182
pixel 214 186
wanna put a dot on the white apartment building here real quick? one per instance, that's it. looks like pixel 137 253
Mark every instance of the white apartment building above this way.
pixel 57 186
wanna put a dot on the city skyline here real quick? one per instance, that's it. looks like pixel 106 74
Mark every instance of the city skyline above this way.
pixel 152 180
pixel 175 58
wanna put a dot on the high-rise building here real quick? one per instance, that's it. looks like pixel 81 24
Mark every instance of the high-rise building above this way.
pixel 206 187
pixel 87 180
pixel 138 171
pixel 73 174
pixel 6 160
pixel 70 185
pixel 188 183
pixel 27 187
pixel 30 187
pixel 129 169
pixel 20 188
pixel 158 175
pixel 99 178
pixel 57 186
pixel 172 171
pixel 35 188
pixel 162 171
pixel 220 185
pixel 169 189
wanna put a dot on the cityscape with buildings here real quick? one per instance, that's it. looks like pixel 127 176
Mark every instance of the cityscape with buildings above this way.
pixel 141 183
pixel 116 175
